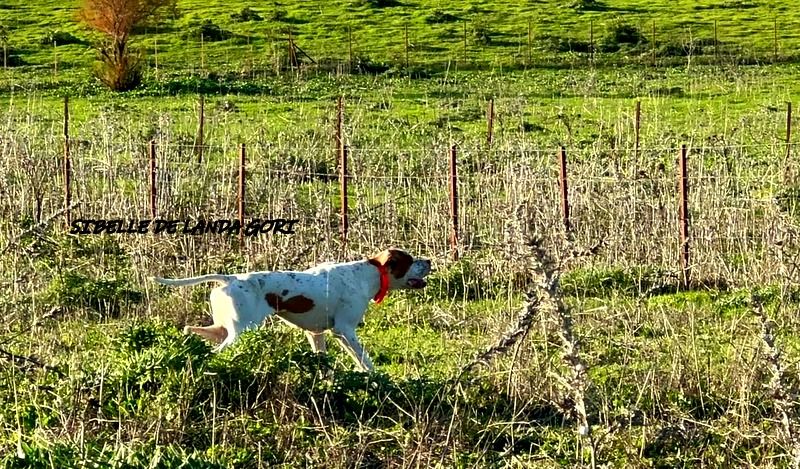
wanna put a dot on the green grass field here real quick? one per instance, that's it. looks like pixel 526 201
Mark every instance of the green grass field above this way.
pixel 622 365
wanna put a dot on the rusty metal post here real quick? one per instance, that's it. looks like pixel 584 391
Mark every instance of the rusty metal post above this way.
pixel 788 130
pixel 775 40
pixel 201 130
pixel 637 128
pixel 683 215
pixel 529 42
pixel 465 42
pixel 152 154
pixel 653 48
pixel 562 160
pixel 716 42
pixel 350 41
pixel 338 136
pixel 788 174
pixel 67 166
pixel 490 123
pixel 406 40
pixel 591 42
pixel 454 203
pixel 242 175
pixel 343 181
pixel 292 51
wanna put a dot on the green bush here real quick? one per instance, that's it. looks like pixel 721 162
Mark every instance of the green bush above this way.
pixel 104 296
pixel 12 59
pixel 365 65
pixel 565 44
pixel 119 71
pixel 380 3
pixel 246 14
pixel 788 201
pixel 621 35
pixel 59 38
pixel 463 279
pixel 602 282
pixel 208 31
pixel 279 15
pixel 588 5
pixel 482 34
pixel 696 46
pixel 439 17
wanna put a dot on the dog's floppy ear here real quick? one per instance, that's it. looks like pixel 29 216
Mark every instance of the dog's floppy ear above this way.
pixel 396 261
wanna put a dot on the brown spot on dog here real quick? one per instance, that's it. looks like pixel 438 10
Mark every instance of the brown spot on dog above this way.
pixel 273 300
pixel 297 304
pixel 396 261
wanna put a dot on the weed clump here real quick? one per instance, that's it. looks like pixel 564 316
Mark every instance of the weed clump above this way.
pixel 588 5
pixel 59 38
pixel 246 14
pixel 788 201
pixel 692 46
pixel 439 17
pixel 208 31
pixel 380 3
pixel 103 296
pixel 463 279
pixel 602 282
pixel 367 66
pixel 482 34
pixel 563 44
pixel 622 35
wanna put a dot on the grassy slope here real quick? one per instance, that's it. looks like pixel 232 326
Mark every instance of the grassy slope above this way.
pixel 321 29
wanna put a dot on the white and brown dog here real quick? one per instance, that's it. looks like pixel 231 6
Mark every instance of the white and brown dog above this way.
pixel 330 296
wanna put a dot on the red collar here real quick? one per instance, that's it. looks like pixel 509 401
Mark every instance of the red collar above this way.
pixel 384 288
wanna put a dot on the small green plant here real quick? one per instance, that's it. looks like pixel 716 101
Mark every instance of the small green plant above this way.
pixel 563 44
pixel 621 35
pixel 588 5
pixel 279 15
pixel 208 31
pixel 104 296
pixel 9 56
pixel 603 282
pixel 380 3
pixel 482 34
pixel 788 201
pixel 59 38
pixel 246 14
pixel 365 65
pixel 439 17
pixel 683 48
pixel 464 279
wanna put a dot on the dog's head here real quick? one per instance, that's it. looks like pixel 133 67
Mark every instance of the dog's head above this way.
pixel 403 270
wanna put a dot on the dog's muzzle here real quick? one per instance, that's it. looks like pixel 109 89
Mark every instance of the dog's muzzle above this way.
pixel 419 270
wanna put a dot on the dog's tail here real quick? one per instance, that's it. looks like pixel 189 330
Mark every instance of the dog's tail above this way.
pixel 180 282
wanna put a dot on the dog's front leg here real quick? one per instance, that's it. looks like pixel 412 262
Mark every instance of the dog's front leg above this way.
pixel 353 347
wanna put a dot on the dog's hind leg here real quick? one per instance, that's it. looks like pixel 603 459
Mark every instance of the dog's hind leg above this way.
pixel 317 341
pixel 215 333
pixel 235 309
